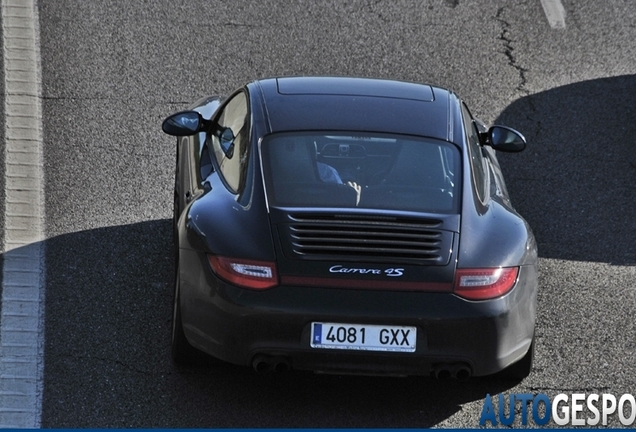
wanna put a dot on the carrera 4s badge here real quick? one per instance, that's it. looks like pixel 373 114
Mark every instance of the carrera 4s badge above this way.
pixel 393 272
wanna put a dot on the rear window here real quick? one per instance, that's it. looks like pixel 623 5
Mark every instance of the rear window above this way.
pixel 389 172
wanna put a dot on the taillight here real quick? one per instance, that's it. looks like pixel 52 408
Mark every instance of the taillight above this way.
pixel 245 273
pixel 484 284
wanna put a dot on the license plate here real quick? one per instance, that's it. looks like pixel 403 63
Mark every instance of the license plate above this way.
pixel 363 337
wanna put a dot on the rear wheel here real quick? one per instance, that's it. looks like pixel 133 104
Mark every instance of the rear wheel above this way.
pixel 522 368
pixel 175 230
pixel 182 352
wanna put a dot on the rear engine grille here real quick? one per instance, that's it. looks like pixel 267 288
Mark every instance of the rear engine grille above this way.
pixel 369 237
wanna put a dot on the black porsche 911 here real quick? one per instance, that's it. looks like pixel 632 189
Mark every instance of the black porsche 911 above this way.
pixel 349 225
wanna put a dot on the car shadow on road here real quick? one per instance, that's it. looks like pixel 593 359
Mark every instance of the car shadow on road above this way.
pixel 109 293
pixel 575 181
pixel 107 363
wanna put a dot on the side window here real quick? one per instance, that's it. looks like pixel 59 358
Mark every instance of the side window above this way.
pixel 230 144
pixel 479 169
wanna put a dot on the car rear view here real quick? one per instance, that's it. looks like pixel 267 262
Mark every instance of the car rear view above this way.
pixel 356 239
pixel 385 219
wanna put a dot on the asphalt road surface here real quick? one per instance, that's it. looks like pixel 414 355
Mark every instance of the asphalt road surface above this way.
pixel 113 69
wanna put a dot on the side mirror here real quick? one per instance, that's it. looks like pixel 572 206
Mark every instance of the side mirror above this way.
pixel 183 123
pixel 505 139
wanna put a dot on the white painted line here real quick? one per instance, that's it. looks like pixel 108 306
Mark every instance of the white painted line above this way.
pixel 555 13
pixel 22 309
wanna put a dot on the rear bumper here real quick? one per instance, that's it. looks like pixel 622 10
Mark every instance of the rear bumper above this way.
pixel 239 325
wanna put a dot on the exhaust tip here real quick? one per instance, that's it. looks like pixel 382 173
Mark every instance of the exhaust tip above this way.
pixel 462 374
pixel 458 371
pixel 282 366
pixel 261 364
pixel 442 374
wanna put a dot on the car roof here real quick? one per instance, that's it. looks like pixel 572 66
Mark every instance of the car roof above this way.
pixel 356 104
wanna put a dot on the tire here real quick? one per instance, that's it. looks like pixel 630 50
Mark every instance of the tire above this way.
pixel 183 354
pixel 175 228
pixel 521 369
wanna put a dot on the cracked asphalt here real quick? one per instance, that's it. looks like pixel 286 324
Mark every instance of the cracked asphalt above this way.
pixel 113 69
pixel 509 50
